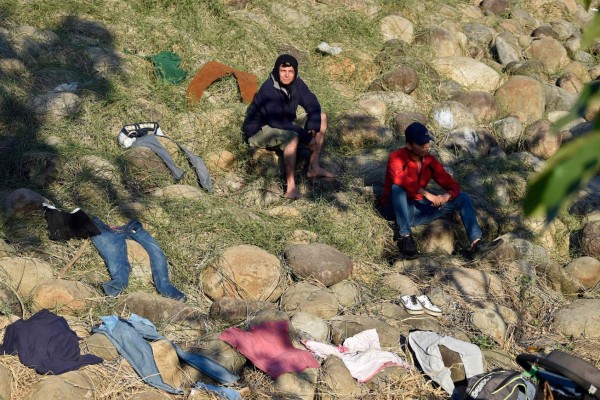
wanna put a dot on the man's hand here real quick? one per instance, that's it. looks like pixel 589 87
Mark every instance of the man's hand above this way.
pixel 437 200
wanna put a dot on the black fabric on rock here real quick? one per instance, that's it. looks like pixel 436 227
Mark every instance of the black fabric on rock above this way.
pixel 45 342
pixel 65 226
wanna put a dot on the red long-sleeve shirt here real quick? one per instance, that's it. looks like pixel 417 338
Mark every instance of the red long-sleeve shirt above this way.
pixel 404 172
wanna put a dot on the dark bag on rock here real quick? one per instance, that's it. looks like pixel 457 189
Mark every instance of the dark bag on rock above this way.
pixel 498 385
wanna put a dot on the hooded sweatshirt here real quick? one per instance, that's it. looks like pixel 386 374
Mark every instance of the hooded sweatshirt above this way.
pixel 275 104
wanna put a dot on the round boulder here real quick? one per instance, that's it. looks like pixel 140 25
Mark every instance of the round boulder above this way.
pixel 403 79
pixel 523 98
pixel 245 272
pixel 25 273
pixel 69 296
pixel 590 239
pixel 482 104
pixel 580 318
pixel 540 139
pixel 397 27
pixel 470 73
pixel 310 299
pixel 311 324
pixel 72 385
pixel 320 261
pixel 549 52
pixel 586 270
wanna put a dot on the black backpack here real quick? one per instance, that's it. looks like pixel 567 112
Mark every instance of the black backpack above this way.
pixel 497 385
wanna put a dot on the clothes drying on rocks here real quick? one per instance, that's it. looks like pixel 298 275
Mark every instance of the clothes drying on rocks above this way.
pixel 68 225
pixel 144 134
pixel 112 247
pixel 426 346
pixel 269 347
pixel 361 354
pixel 212 71
pixel 129 338
pixel 46 343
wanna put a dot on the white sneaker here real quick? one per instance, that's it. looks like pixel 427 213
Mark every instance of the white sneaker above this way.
pixel 411 304
pixel 428 306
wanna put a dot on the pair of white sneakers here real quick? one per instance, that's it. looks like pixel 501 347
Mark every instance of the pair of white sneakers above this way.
pixel 420 304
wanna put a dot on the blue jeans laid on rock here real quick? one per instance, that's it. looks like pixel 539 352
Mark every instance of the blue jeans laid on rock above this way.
pixel 112 247
pixel 130 339
pixel 409 213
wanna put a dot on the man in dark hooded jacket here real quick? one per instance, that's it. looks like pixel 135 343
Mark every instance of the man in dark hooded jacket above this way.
pixel 271 121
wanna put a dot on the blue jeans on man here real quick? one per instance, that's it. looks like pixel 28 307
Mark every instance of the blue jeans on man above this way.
pixel 409 213
pixel 113 249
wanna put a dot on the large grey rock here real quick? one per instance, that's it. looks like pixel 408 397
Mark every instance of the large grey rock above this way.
pixel 217 350
pixel 245 272
pixel 473 284
pixel 233 310
pixel 337 382
pixel 345 326
pixel 319 261
pixel 310 299
pixel 298 385
pixel 438 237
pixel 397 27
pixel 522 97
pixel 482 105
pixel 400 285
pixel 24 274
pixel 507 48
pixel 508 130
pixel 347 293
pixel 449 115
pixel 443 42
pixel 472 74
pixel 549 52
pixel 55 106
pixel 311 324
pixel 100 345
pixel 585 270
pixel 9 301
pixel 162 310
pixel 70 297
pixel 541 140
pixel 490 323
pixel 5 382
pixel 402 79
pixel 559 99
pixel 359 128
pixel 72 385
pixel 590 239
pixel 581 318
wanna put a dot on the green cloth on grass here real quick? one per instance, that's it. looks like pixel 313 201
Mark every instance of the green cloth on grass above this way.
pixel 167 67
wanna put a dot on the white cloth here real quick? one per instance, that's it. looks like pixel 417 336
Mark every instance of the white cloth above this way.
pixel 426 344
pixel 361 354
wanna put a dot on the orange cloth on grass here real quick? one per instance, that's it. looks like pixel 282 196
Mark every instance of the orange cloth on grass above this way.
pixel 213 70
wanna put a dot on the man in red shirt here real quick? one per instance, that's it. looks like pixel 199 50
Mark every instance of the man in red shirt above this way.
pixel 409 170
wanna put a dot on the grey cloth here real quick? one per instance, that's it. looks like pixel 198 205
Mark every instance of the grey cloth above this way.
pixel 151 142
pixel 426 344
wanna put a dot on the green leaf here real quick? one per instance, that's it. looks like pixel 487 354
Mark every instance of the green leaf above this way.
pixel 567 172
pixel 590 92
pixel 591 32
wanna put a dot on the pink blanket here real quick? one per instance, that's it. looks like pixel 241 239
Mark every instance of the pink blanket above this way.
pixel 269 347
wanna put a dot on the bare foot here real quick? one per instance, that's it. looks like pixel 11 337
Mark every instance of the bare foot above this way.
pixel 320 173
pixel 292 194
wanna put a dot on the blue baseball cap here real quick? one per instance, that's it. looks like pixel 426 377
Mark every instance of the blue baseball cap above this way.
pixel 418 133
